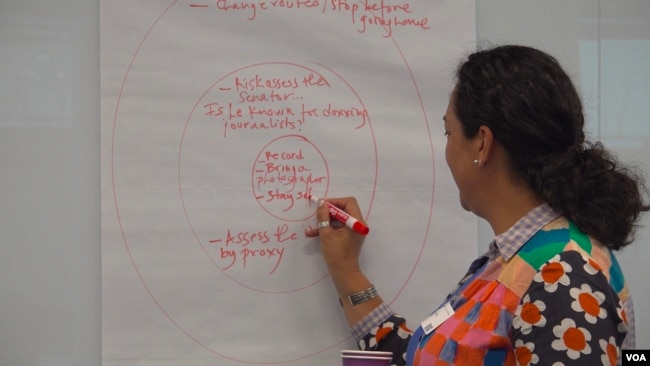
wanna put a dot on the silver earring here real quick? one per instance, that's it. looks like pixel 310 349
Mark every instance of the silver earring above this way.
pixel 476 162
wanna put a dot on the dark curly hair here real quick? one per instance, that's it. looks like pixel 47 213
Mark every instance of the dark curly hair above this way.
pixel 534 111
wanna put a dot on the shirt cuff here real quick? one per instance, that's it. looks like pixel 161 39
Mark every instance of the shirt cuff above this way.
pixel 374 319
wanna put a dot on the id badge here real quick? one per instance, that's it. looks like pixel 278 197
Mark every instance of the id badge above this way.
pixel 438 317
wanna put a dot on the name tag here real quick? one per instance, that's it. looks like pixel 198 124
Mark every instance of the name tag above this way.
pixel 437 318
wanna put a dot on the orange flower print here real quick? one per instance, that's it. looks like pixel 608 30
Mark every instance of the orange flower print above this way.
pixel 622 314
pixel 524 353
pixel 553 273
pixel 592 267
pixel 588 301
pixel 572 339
pixel 610 351
pixel 403 332
pixel 379 333
pixel 529 314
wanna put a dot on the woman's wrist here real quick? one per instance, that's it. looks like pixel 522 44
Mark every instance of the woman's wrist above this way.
pixel 354 282
pixel 349 282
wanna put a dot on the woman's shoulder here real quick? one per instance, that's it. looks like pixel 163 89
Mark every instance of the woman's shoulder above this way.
pixel 562 236
pixel 561 243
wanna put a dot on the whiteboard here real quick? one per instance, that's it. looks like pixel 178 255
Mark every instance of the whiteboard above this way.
pixel 218 119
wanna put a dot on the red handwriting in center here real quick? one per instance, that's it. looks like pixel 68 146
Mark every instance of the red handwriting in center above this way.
pixel 283 177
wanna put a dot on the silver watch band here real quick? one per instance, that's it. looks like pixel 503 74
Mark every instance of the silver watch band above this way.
pixel 363 296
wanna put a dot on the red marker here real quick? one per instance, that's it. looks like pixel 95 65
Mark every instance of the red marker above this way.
pixel 342 216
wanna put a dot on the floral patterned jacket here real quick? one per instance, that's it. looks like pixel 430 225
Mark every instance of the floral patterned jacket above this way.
pixel 544 294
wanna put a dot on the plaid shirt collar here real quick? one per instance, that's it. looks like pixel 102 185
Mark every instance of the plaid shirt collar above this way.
pixel 508 243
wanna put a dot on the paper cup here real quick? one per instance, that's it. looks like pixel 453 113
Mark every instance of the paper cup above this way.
pixel 365 358
pixel 354 352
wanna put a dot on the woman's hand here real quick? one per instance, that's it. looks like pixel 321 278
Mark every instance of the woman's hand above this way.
pixel 340 245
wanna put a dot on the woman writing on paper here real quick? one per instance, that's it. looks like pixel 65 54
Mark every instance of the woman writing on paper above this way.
pixel 549 291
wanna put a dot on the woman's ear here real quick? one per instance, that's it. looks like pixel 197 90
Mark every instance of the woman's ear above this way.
pixel 486 144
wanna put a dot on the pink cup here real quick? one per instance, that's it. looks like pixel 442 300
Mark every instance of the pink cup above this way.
pixel 365 358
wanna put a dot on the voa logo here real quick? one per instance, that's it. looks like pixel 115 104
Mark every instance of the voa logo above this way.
pixel 633 357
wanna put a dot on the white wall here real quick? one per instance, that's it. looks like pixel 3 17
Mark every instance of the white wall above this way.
pixel 49 179
pixel 604 45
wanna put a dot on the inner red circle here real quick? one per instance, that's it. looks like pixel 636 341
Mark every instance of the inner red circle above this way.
pixel 287 171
